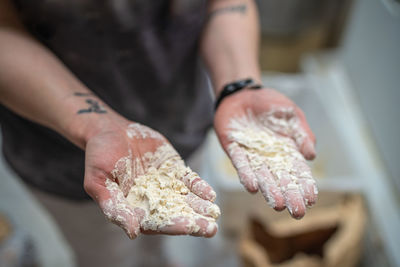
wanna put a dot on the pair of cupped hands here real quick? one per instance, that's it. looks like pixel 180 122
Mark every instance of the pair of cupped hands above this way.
pixel 119 138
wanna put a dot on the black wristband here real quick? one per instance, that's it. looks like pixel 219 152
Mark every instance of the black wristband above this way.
pixel 233 87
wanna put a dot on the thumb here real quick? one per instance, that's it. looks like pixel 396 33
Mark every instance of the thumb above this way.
pixel 113 204
pixel 304 137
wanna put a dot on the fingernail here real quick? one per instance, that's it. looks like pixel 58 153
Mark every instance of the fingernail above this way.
pixel 251 186
pixel 214 211
pixel 212 195
pixel 309 150
pixel 132 234
pixel 211 230
pixel 295 212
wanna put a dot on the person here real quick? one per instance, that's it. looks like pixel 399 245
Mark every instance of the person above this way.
pixel 76 75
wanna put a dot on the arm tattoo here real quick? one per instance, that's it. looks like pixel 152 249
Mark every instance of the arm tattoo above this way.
pixel 82 94
pixel 94 105
pixel 242 8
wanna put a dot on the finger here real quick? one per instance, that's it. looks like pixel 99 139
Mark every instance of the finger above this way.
pixel 293 197
pixel 206 228
pixel 307 148
pixel 307 184
pixel 123 173
pixel 203 207
pixel 187 226
pixel 242 165
pixel 116 209
pixel 269 188
pixel 179 226
pixel 308 190
pixel 198 186
pixel 303 136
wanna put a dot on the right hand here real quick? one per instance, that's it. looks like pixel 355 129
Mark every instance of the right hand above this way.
pixel 267 111
pixel 120 138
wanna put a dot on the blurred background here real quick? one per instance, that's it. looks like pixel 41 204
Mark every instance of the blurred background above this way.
pixel 339 60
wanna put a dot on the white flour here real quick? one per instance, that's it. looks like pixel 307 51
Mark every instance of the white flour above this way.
pixel 140 131
pixel 159 191
pixel 264 147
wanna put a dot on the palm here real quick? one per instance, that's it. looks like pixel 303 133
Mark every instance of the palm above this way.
pixel 108 180
pixel 258 127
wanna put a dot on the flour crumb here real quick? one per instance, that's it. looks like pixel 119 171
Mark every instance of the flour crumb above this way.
pixel 163 196
pixel 263 146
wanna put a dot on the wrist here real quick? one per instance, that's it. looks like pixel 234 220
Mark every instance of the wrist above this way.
pixel 85 120
pixel 234 87
pixel 82 128
pixel 220 81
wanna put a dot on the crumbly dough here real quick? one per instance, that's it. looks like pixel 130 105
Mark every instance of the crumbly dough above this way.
pixel 162 195
pixel 262 146
pixel 278 153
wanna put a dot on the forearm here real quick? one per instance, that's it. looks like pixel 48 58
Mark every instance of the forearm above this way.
pixel 229 43
pixel 37 86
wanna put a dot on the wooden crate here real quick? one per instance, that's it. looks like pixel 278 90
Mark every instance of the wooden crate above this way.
pixel 329 235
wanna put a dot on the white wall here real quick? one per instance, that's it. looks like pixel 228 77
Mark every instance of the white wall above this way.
pixel 371 54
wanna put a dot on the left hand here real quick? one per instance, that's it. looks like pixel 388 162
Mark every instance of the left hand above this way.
pixel 269 111
pixel 120 151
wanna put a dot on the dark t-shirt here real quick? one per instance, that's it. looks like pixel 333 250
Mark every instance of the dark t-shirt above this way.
pixel 140 57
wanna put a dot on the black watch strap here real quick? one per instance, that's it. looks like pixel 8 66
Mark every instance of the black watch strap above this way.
pixel 235 86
